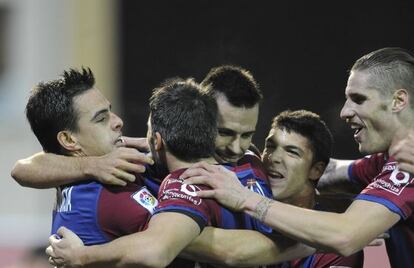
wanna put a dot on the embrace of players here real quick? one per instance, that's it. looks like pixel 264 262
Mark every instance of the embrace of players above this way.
pixel 204 195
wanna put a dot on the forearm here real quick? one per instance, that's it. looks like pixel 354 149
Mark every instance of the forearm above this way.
pixel 129 251
pixel 331 232
pixel 243 248
pixel 45 170
pixel 335 179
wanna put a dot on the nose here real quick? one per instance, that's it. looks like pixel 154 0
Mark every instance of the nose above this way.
pixel 346 111
pixel 117 122
pixel 235 146
pixel 276 156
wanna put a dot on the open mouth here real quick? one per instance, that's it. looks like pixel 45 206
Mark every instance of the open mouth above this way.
pixel 275 174
pixel 357 129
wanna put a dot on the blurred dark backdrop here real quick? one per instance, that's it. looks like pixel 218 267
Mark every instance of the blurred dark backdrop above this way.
pixel 298 52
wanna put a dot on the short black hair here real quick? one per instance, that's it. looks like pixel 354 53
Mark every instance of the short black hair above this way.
pixel 235 83
pixel 186 118
pixel 311 126
pixel 392 67
pixel 50 106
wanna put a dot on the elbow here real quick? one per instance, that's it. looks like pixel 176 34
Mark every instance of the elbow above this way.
pixel 343 245
pixel 18 174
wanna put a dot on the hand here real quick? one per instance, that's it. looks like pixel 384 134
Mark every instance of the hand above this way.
pixel 63 252
pixel 403 151
pixel 117 167
pixel 379 240
pixel 141 144
pixel 227 188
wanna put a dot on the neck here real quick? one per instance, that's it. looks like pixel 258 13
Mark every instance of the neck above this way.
pixel 305 199
pixel 173 163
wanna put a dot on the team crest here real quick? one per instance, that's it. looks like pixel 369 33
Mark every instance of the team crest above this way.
pixel 146 199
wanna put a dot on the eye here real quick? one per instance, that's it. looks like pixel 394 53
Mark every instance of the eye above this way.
pixel 247 135
pixel 101 118
pixel 224 132
pixel 292 152
pixel 358 99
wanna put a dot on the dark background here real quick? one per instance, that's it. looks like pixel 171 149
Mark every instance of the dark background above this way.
pixel 299 52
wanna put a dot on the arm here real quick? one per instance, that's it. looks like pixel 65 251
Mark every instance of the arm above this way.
pixel 243 248
pixel 167 234
pixel 340 233
pixel 336 177
pixel 343 233
pixel 46 170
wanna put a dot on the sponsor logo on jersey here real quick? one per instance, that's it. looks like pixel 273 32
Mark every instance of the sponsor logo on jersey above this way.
pixel 145 199
pixel 189 189
pixel 177 189
pixel 392 179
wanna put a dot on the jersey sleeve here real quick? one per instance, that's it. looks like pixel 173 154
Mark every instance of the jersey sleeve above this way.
pixel 328 260
pixel 392 188
pixel 364 170
pixel 177 196
pixel 124 210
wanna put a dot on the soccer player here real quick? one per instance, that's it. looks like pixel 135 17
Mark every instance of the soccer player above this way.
pixel 181 130
pixel 296 153
pixel 379 107
pixel 71 117
pixel 238 97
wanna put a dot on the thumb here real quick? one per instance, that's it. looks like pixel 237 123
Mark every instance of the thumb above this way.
pixel 64 232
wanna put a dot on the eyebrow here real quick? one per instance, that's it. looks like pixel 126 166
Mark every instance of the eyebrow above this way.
pixel 105 110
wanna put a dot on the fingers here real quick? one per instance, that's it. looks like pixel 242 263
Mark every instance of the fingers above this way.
pixel 384 236
pixel 193 171
pixel 122 176
pixel 56 262
pixel 206 193
pixel 376 242
pixel 133 155
pixel 49 251
pixel 200 180
pixel 139 143
pixel 132 167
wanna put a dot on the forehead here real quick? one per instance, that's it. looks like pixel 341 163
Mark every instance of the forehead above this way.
pixel 90 101
pixel 359 82
pixel 285 138
pixel 238 119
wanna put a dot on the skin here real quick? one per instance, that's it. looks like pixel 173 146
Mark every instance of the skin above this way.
pixel 288 160
pixel 368 112
pixel 99 129
pixel 236 127
pixel 364 109
pixel 177 231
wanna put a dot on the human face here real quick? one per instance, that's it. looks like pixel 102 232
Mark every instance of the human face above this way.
pixel 287 158
pixel 236 126
pixel 99 129
pixel 368 112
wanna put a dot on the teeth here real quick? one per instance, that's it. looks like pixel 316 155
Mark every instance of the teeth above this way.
pixel 275 175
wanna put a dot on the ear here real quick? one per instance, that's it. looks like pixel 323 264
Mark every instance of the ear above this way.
pixel 317 170
pixel 400 100
pixel 158 142
pixel 68 141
